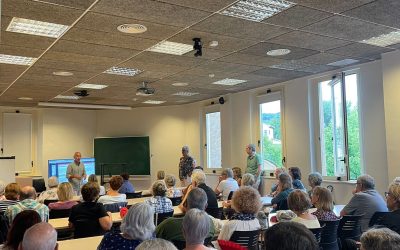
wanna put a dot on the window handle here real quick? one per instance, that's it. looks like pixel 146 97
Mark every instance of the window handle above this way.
pixel 343 160
pixel 283 160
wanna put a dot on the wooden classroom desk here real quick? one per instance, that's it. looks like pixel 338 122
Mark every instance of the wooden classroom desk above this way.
pixel 89 243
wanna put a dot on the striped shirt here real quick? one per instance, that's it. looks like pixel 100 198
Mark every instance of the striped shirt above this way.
pixel 160 204
pixel 27 204
pixel 4 204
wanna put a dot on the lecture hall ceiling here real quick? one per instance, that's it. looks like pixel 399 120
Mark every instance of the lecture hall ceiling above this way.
pixel 319 34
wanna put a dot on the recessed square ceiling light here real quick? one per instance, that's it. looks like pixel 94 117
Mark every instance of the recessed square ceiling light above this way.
pixel 256 10
pixel 291 65
pixel 384 40
pixel 343 62
pixel 38 28
pixel 19 60
pixel 186 93
pixel 278 52
pixel 229 82
pixel 91 86
pixel 171 48
pixel 68 97
pixel 153 102
pixel 123 71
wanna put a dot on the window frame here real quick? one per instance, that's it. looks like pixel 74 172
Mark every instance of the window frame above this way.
pixel 277 95
pixel 315 113
pixel 208 110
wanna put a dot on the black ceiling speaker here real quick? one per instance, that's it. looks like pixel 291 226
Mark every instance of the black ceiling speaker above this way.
pixel 221 100
pixel 197 46
pixel 81 93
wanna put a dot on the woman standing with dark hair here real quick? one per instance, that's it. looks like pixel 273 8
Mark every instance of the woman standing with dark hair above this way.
pixel 20 224
pixel 295 173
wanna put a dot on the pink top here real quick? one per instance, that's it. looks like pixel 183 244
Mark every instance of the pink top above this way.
pixel 62 205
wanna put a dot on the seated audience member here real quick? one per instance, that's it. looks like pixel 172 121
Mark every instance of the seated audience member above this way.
pixel 159 202
pixel 195 227
pixel 392 219
pixel 113 196
pixel 299 203
pixel 380 239
pixel 279 202
pixel 21 223
pixel 41 236
pixel 237 175
pixel 365 201
pixel 321 198
pixel 274 186
pixel 2 188
pixel 51 193
pixel 295 173
pixel 136 226
pixel 171 228
pixel 90 211
pixel 160 177
pixel 27 202
pixel 199 180
pixel 289 236
pixel 246 202
pixel 11 194
pixel 127 186
pixel 65 194
pixel 314 180
pixel 226 184
pixel 157 244
pixel 172 191
pixel 93 178
pixel 248 180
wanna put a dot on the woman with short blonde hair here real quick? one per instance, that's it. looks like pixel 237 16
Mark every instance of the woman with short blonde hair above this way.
pixel 65 194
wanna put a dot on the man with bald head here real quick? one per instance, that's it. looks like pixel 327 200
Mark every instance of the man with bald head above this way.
pixel 27 201
pixel 76 173
pixel 41 236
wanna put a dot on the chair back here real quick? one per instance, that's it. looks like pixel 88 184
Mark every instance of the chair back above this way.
pixel 176 200
pixel 317 233
pixel 160 217
pixel 115 207
pixel 349 227
pixel 134 195
pixel 47 202
pixel 376 219
pixel 180 245
pixel 329 235
pixel 3 228
pixel 247 239
pixel 87 228
pixel 59 213
pixel 230 195
pixel 215 212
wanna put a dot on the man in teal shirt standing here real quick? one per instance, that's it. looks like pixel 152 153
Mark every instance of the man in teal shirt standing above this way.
pixel 254 163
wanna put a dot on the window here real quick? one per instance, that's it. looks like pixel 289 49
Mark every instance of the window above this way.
pixel 339 126
pixel 213 139
pixel 271 136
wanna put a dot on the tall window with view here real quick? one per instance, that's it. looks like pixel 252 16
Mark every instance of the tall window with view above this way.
pixel 339 127
pixel 271 134
pixel 213 133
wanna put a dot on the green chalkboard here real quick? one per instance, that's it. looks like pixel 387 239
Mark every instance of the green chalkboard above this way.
pixel 122 154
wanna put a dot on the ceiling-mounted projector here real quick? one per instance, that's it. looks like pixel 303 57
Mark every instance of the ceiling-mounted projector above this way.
pixel 145 90
pixel 81 93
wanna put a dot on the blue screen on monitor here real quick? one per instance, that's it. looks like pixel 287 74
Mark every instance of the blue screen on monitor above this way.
pixel 59 167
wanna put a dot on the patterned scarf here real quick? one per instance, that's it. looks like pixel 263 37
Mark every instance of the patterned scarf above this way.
pixel 240 216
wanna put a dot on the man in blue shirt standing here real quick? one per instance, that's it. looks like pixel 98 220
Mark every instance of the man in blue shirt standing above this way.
pixel 127 186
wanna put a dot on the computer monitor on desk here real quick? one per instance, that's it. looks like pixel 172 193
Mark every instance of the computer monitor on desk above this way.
pixel 59 167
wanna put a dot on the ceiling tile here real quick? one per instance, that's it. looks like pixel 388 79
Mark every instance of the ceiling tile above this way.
pixel 297 17
pixel 281 74
pixel 9 72
pixel 20 51
pixel 347 28
pixel 93 49
pixel 40 11
pixel 381 11
pixel 318 68
pixel 242 58
pixel 335 6
pixel 23 40
pixel 240 28
pixel 109 24
pixel 79 4
pixel 145 10
pixel 206 5
pixel 322 58
pixel 109 39
pixel 308 41
pixel 360 50
pixel 47 72
pixel 263 47
pixel 58 65
pixel 71 57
